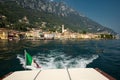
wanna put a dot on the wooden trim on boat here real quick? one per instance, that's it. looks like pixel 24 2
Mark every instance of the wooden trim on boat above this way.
pixel 105 74
pixel 6 75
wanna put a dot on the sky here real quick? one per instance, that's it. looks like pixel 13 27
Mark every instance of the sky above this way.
pixel 105 12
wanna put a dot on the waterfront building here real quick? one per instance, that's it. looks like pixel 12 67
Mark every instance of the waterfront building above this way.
pixel 34 34
pixel 57 35
pixel 29 35
pixel 63 29
pixel 3 34
pixel 49 35
pixel 13 35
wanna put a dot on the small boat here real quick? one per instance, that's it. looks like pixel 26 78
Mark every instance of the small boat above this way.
pixel 56 74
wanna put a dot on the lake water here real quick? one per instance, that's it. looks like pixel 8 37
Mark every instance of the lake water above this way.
pixel 102 54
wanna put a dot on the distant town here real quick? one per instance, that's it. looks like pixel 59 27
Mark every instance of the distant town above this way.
pixel 39 34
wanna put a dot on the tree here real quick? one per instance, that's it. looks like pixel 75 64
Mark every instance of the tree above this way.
pixel 3 22
pixel 84 32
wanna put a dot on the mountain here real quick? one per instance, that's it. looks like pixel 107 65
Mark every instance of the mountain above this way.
pixel 54 14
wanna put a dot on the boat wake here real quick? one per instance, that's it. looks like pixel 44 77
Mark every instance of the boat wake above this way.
pixel 59 60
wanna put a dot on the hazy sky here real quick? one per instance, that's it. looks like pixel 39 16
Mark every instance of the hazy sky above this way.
pixel 105 12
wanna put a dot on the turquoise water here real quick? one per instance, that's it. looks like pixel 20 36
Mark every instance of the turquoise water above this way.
pixel 102 54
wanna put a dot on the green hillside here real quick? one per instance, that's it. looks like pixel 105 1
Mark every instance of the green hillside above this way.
pixel 15 12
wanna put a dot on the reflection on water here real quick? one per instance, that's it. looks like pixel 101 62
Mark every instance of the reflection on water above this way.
pixel 9 49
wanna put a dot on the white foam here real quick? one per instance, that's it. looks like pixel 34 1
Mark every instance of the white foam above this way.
pixel 59 60
pixel 83 62
pixel 22 60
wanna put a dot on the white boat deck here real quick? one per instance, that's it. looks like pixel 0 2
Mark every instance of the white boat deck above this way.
pixel 58 74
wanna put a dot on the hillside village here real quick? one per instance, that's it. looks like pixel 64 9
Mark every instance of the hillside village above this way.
pixel 37 34
pixel 43 32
